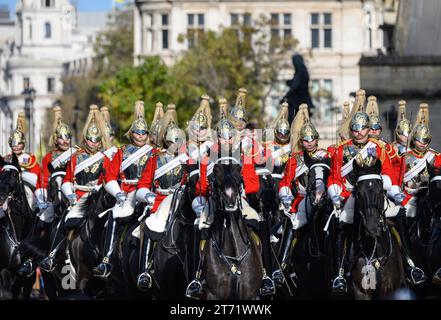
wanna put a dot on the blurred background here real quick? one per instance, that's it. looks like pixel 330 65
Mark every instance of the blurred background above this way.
pixel 112 53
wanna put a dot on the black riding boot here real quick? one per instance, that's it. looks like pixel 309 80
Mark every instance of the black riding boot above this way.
pixel 194 288
pixel 278 275
pixel 49 263
pixel 413 274
pixel 145 280
pixel 339 284
pixel 104 269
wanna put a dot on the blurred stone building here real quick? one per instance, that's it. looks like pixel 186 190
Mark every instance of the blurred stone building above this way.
pixel 336 32
pixel 412 68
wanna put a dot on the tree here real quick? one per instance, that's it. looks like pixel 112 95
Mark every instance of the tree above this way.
pixel 150 82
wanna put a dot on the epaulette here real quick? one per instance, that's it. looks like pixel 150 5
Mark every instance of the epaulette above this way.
pixel 31 164
pixel 434 152
pixel 380 143
pixel 342 143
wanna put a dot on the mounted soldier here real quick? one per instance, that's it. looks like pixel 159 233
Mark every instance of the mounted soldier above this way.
pixel 341 185
pixel 30 170
pixel 83 177
pixel 304 139
pixel 162 176
pixel 121 176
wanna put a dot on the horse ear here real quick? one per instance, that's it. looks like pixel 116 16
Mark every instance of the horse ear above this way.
pixel 218 172
pixel 355 167
pixel 377 166
pixel 430 169
pixel 2 162
pixel 15 161
pixel 236 170
pixel 307 159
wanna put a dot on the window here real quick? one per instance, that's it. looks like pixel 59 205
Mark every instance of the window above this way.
pixel 195 26
pixel 321 93
pixel 47 30
pixel 321 30
pixel 150 32
pixel 26 83
pixel 47 3
pixel 165 35
pixel 234 19
pixel 239 20
pixel 281 27
pixel 30 28
pixel 50 85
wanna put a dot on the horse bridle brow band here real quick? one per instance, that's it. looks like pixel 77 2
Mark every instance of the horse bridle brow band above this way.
pixel 320 165
pixel 8 166
pixel 435 178
pixel 369 177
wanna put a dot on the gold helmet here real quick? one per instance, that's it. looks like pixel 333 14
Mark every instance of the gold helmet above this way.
pixel 60 129
pixel 223 108
pixel 139 125
pixel 225 129
pixel 421 131
pixel 373 113
pixel 169 131
pixel 200 124
pixel 239 113
pixel 106 116
pixel 156 125
pixel 281 125
pixel 18 135
pixel 359 121
pixel 358 105
pixel 95 128
pixel 302 128
pixel 403 125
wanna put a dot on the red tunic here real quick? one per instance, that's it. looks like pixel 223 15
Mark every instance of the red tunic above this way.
pixel 337 164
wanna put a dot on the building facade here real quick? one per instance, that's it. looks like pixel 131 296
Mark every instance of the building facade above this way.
pixel 34 56
pixel 332 35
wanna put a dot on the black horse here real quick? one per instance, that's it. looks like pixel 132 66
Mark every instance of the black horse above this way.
pixel 427 231
pixel 376 268
pixel 16 219
pixel 232 262
pixel 306 268
pixel 173 260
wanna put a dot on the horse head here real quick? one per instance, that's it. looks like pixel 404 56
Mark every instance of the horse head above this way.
pixel 227 186
pixel 434 200
pixel 9 178
pixel 369 195
pixel 318 173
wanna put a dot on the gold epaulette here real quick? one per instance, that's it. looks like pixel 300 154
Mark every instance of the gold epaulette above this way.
pixel 434 152
pixel 380 143
pixel 342 143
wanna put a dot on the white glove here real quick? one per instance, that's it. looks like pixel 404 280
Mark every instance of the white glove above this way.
pixel 336 200
pixel 72 199
pixel 287 200
pixel 399 198
pixel 198 205
pixel 120 197
pixel 42 205
pixel 150 198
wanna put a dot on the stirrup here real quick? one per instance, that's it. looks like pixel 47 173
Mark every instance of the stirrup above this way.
pixel 268 287
pixel 417 276
pixel 194 289
pixel 278 277
pixel 103 270
pixel 26 269
pixel 48 264
pixel 144 281
pixel 436 278
pixel 339 285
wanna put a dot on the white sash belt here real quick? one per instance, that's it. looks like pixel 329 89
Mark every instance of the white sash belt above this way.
pixel 281 151
pixel 135 156
pixel 63 158
pixel 171 165
pixel 88 162
pixel 347 168
pixel 418 167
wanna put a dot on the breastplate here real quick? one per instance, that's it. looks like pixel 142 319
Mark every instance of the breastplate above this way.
pixel 134 171
pixel 89 176
pixel 349 152
pixel 172 177
pixel 422 178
